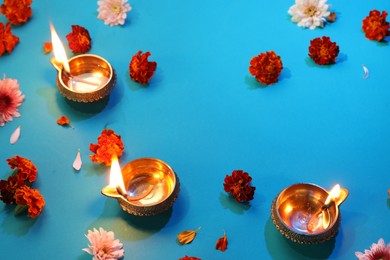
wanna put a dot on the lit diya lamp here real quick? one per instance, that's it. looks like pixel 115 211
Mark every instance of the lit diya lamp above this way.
pixel 144 187
pixel 83 78
pixel 307 213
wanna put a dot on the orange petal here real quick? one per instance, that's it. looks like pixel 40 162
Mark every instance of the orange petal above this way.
pixel 47 47
pixel 222 243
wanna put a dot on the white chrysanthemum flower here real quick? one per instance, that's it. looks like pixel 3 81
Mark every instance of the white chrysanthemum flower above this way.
pixel 113 12
pixel 309 13
pixel 103 245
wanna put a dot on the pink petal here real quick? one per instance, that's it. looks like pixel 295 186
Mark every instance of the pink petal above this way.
pixel 77 162
pixel 15 136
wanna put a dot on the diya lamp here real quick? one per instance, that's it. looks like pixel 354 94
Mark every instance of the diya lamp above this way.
pixel 144 187
pixel 83 78
pixel 308 214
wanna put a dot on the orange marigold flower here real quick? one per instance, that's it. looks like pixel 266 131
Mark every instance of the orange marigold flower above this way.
pixel 266 67
pixel 323 51
pixel 16 11
pixel 26 169
pixel 8 189
pixel 30 198
pixel 47 47
pixel 8 41
pixel 109 144
pixel 375 26
pixel 142 70
pixel 238 185
pixel 79 39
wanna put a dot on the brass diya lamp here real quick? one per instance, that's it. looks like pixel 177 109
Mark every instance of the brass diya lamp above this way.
pixel 83 78
pixel 144 187
pixel 308 214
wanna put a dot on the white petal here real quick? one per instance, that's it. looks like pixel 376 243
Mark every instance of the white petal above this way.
pixel 77 162
pixel 365 72
pixel 15 136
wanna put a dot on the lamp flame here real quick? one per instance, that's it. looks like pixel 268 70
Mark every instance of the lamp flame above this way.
pixel 58 49
pixel 116 179
pixel 333 194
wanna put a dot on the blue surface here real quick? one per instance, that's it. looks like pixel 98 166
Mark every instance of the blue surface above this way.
pixel 203 114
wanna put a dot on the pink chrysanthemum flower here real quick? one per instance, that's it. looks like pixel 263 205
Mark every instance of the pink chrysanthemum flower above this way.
pixel 113 12
pixel 103 245
pixel 376 252
pixel 10 99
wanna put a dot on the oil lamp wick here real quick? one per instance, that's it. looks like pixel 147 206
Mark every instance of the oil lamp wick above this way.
pixel 123 194
pixel 134 198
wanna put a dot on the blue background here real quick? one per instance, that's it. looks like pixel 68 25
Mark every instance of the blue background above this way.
pixel 205 115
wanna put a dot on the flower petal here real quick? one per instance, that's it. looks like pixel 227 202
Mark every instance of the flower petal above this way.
pixel 15 136
pixel 365 72
pixel 77 162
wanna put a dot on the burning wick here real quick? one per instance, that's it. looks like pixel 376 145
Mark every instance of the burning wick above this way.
pixel 314 221
pixel 72 79
pixel 116 187
pixel 60 60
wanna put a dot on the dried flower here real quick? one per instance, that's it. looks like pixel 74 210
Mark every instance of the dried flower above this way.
pixel 331 17
pixel 222 243
pixel 109 144
pixel 10 99
pixel 238 185
pixel 309 13
pixel 141 70
pixel 79 40
pixel 376 252
pixel 323 51
pixel 189 258
pixel 187 236
pixel 8 41
pixel 8 189
pixel 103 245
pixel 31 199
pixel 26 170
pixel 47 47
pixel 266 67
pixel 63 120
pixel 375 25
pixel 16 11
pixel 113 12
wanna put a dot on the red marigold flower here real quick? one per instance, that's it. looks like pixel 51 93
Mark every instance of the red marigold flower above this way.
pixel 8 189
pixel 26 169
pixel 30 198
pixel 375 26
pixel 79 39
pixel 266 67
pixel 109 144
pixel 190 258
pixel 8 41
pixel 141 70
pixel 323 51
pixel 238 185
pixel 16 11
